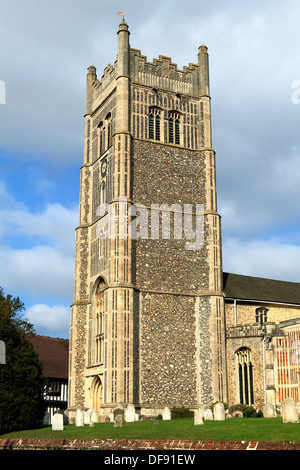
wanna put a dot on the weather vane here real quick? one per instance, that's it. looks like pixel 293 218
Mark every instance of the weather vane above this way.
pixel 121 14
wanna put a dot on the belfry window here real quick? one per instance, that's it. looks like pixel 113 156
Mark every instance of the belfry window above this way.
pixel 261 315
pixel 105 134
pixel 174 128
pixel 245 373
pixel 154 123
pixel 101 138
pixel 108 126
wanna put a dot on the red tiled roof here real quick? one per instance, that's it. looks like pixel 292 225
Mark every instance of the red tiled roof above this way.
pixel 53 354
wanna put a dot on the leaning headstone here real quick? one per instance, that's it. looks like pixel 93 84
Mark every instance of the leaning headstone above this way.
pixel 58 422
pixel 289 411
pixel 219 412
pixel 208 414
pixel 167 413
pixel 79 420
pixel 46 419
pixel 118 418
pixel 130 414
pixel 269 411
pixel 198 417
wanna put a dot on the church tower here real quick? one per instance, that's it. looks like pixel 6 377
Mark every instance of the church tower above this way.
pixel 147 321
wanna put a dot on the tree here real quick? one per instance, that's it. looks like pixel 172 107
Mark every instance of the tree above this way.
pixel 21 378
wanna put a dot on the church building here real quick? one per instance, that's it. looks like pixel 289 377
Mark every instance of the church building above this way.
pixel 155 321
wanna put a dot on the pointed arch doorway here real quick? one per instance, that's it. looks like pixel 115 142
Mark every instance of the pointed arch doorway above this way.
pixel 97 393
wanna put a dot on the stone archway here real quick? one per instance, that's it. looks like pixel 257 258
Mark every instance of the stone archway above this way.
pixel 97 393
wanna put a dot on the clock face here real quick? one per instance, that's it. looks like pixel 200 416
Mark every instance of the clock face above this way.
pixel 103 168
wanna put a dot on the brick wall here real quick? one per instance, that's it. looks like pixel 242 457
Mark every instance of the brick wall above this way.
pixel 122 444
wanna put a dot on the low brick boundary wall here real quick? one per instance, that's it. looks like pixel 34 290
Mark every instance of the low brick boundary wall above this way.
pixel 123 444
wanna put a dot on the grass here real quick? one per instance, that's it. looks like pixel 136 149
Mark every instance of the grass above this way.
pixel 244 429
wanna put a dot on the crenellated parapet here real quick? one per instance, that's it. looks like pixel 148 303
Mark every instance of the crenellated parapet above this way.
pixel 162 73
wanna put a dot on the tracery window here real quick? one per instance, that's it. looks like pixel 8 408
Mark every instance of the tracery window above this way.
pixel 261 315
pixel 245 372
pixel 154 123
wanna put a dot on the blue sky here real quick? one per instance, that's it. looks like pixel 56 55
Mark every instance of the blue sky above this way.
pixel 45 50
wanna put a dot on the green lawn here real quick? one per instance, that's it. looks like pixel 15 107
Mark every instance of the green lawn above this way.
pixel 244 429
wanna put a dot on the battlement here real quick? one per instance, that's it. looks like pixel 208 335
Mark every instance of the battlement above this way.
pixel 161 74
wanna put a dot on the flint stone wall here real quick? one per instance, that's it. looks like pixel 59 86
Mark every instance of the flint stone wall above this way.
pixel 168 372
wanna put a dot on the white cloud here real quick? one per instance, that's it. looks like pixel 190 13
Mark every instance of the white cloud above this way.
pixel 54 222
pixel 262 258
pixel 52 321
pixel 37 260
pixel 36 249
pixel 41 271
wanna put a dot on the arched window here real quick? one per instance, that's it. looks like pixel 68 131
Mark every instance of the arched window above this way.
pixel 99 322
pixel 102 193
pixel 154 123
pixel 101 130
pixel 174 128
pixel 245 372
pixel 108 126
pixel 261 315
pixel 105 134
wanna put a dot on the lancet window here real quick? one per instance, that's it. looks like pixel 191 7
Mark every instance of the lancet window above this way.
pixel 105 134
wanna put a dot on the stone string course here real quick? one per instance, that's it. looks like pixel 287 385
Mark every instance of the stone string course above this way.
pixel 123 444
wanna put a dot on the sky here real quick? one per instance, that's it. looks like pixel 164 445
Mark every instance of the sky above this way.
pixel 45 50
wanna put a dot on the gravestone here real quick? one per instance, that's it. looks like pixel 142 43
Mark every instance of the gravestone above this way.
pixel 58 422
pixel 235 411
pixel 269 411
pixel 167 413
pixel 79 420
pixel 130 414
pixel 198 417
pixel 208 414
pixel 2 353
pixel 219 412
pixel 118 418
pixel 66 417
pixel 94 416
pixel 46 419
pixel 289 411
pixel 87 417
